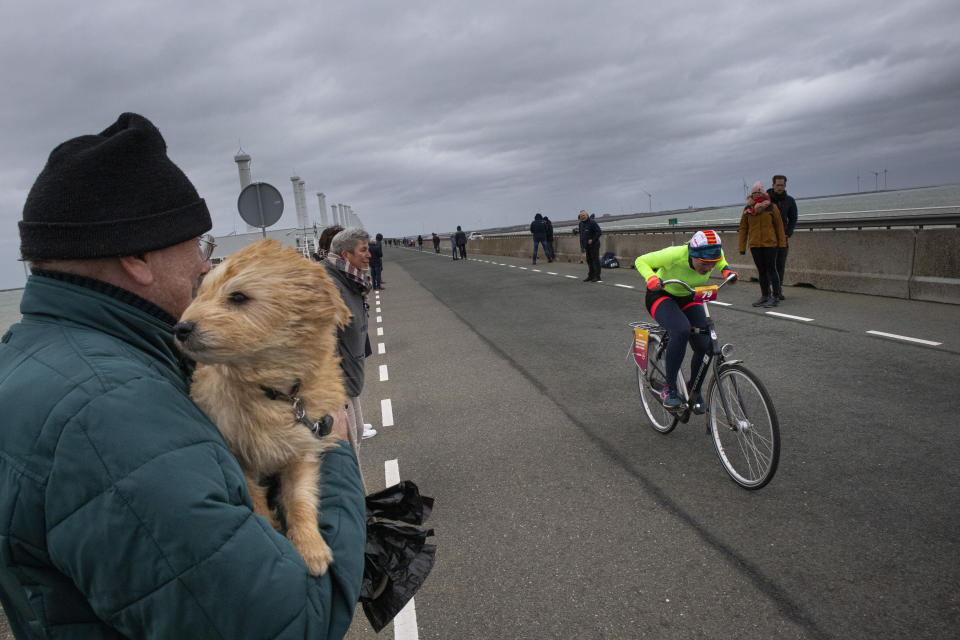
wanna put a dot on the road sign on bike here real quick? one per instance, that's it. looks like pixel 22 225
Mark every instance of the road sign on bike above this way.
pixel 640 340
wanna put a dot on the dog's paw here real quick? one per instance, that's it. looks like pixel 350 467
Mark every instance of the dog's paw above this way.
pixel 317 558
pixel 314 551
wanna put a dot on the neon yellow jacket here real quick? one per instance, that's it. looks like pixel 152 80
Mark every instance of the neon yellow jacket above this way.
pixel 673 263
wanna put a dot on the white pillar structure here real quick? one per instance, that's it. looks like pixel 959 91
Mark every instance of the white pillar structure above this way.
pixel 322 200
pixel 333 215
pixel 343 215
pixel 246 177
pixel 299 201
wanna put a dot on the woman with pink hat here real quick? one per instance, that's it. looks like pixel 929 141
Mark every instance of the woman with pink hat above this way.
pixel 762 229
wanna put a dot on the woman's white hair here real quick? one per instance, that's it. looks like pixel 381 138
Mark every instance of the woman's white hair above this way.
pixel 348 239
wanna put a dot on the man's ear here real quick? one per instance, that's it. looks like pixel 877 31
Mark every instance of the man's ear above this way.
pixel 137 268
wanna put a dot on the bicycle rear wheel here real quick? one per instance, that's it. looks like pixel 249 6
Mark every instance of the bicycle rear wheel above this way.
pixel 651 384
pixel 748 438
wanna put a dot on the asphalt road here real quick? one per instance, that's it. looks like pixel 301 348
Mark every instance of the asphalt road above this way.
pixel 561 514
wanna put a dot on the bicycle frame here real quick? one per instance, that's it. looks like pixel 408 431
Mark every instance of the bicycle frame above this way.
pixel 714 358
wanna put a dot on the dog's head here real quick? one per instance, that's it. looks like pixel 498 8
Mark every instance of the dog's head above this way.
pixel 263 305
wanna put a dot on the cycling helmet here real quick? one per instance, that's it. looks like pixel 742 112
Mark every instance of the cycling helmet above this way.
pixel 706 246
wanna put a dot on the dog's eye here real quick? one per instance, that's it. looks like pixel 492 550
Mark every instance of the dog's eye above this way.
pixel 238 297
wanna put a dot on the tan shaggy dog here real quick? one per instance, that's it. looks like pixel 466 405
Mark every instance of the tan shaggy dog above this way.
pixel 263 320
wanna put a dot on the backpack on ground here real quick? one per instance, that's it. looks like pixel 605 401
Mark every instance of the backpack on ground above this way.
pixel 609 261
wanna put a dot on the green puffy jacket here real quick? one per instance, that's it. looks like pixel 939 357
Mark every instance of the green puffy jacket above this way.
pixel 123 513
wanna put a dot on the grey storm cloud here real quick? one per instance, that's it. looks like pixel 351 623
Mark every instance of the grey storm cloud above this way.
pixel 425 115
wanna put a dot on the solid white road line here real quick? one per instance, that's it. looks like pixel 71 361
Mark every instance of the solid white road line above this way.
pixel 386 412
pixel 405 624
pixel 383 373
pixel 625 286
pixel 907 338
pixel 381 348
pixel 789 317
pixel 379 331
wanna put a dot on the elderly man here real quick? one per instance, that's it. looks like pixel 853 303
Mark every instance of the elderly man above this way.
pixel 348 264
pixel 123 513
pixel 590 243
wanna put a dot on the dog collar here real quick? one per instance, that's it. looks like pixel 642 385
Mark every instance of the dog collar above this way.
pixel 320 428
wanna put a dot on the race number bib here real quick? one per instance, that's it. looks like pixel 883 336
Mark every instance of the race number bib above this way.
pixel 706 294
pixel 640 341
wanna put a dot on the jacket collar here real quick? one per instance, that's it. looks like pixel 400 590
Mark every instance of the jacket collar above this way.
pixel 102 307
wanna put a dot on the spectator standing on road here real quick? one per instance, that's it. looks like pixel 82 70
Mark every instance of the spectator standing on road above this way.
pixel 539 231
pixel 788 214
pixel 420 242
pixel 376 261
pixel 124 513
pixel 436 243
pixel 761 228
pixel 347 264
pixel 549 226
pixel 461 243
pixel 453 244
pixel 590 243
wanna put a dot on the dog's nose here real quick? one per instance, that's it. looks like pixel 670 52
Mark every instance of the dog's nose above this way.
pixel 182 330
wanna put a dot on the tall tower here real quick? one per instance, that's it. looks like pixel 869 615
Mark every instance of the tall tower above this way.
pixel 300 201
pixel 243 166
pixel 322 199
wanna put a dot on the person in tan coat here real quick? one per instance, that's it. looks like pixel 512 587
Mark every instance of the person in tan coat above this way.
pixel 761 228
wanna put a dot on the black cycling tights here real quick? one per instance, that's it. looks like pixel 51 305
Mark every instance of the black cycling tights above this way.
pixel 677 315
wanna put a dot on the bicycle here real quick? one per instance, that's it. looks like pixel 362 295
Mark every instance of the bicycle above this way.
pixel 739 412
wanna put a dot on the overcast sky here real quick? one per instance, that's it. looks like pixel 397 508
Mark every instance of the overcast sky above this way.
pixel 426 115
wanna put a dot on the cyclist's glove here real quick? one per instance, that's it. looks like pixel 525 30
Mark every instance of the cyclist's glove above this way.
pixel 653 282
pixel 729 272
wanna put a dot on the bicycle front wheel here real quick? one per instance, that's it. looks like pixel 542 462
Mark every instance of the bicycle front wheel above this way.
pixel 747 436
pixel 651 384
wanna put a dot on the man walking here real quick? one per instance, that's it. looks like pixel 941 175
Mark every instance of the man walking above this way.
pixel 539 231
pixel 124 513
pixel 461 238
pixel 788 213
pixel 347 265
pixel 590 243
pixel 436 243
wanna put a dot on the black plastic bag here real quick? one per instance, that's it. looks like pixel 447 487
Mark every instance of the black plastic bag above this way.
pixel 397 559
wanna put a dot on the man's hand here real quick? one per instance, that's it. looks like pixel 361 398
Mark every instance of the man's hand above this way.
pixel 340 425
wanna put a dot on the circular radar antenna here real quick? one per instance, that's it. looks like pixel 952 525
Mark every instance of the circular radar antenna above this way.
pixel 260 205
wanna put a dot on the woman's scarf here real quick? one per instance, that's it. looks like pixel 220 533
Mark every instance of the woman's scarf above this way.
pixel 362 279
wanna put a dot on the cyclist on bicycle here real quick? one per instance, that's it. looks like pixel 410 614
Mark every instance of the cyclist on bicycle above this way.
pixel 674 308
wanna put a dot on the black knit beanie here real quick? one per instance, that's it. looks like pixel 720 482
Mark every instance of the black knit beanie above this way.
pixel 108 195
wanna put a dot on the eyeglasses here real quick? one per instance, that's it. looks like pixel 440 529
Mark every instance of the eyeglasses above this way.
pixel 206 244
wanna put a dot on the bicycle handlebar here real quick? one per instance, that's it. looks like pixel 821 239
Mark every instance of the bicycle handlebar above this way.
pixel 664 283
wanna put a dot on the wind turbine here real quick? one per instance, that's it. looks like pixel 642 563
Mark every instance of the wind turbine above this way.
pixel 649 198
pixel 876 180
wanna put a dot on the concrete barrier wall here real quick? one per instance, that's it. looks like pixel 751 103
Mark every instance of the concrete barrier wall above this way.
pixel 917 264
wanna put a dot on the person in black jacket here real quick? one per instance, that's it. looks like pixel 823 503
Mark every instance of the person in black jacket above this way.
pixel 590 243
pixel 539 230
pixel 549 226
pixel 788 212
pixel 461 238
pixel 376 261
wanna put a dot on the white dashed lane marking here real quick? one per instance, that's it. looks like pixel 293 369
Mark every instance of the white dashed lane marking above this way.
pixel 405 623
pixel 386 412
pixel 381 348
pixel 383 373
pixel 788 317
pixel 379 331
pixel 894 336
